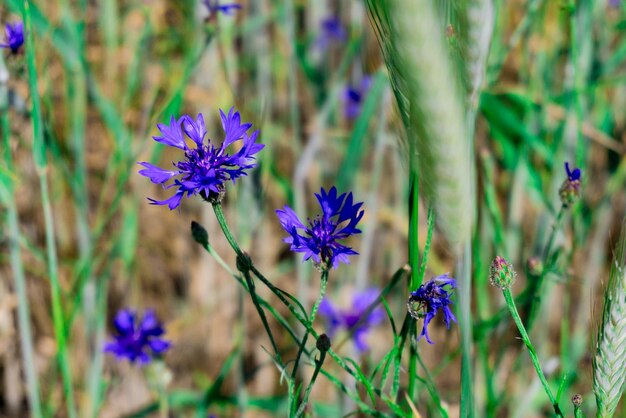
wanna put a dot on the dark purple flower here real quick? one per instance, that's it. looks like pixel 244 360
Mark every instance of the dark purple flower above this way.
pixel 137 340
pixel 614 4
pixel 14 38
pixel 354 96
pixel 319 239
pixel 214 7
pixel 205 168
pixel 431 297
pixel 331 31
pixel 352 320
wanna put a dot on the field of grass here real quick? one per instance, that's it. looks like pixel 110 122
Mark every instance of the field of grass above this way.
pixel 485 139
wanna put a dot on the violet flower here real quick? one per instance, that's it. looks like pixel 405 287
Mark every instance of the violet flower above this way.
pixel 138 340
pixel 331 31
pixel 354 96
pixel 205 168
pixel 319 239
pixel 430 298
pixel 14 38
pixel 353 320
pixel 214 7
pixel 569 191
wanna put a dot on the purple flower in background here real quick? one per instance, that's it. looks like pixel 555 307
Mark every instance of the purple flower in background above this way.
pixel 214 7
pixel 319 239
pixel 614 4
pixel 430 298
pixel 137 339
pixel 205 168
pixel 354 96
pixel 14 38
pixel 353 319
pixel 331 31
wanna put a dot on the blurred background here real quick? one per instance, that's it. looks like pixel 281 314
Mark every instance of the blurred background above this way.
pixel 310 76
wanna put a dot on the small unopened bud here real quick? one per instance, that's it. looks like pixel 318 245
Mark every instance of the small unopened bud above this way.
pixel 535 266
pixel 323 343
pixel 244 262
pixel 570 189
pixel 199 234
pixel 577 401
pixel 501 273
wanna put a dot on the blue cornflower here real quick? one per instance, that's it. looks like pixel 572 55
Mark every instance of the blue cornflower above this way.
pixel 137 340
pixel 352 319
pixel 14 36
pixel 429 298
pixel 354 96
pixel 331 31
pixel 572 175
pixel 214 7
pixel 319 239
pixel 205 168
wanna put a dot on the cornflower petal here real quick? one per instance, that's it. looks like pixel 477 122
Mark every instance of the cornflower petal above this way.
pixel 156 174
pixel 195 129
pixel 172 135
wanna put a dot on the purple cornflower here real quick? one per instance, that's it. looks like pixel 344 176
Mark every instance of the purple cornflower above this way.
pixel 205 168
pixel 214 7
pixel 353 320
pixel 429 298
pixel 319 239
pixel 572 175
pixel 331 31
pixel 14 36
pixel 354 96
pixel 137 340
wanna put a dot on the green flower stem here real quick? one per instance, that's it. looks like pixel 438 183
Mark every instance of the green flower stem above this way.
pixel 531 350
pixel 324 283
pixel 244 264
pixel 39 156
pixel 17 266
pixel 307 393
pixel 547 265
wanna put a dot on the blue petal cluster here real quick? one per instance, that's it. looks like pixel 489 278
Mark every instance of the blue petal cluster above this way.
pixel 352 320
pixel 14 36
pixel 319 238
pixel 430 298
pixel 138 340
pixel 572 175
pixel 214 7
pixel 331 31
pixel 354 96
pixel 205 168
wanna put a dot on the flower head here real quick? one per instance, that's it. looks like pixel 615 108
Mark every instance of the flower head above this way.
pixel 205 168
pixel 14 38
pixel 353 319
pixel 570 189
pixel 331 31
pixel 354 96
pixel 137 339
pixel 319 239
pixel 501 273
pixel 214 7
pixel 431 297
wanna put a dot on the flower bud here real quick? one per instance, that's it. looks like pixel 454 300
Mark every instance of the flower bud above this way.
pixel 323 343
pixel 570 189
pixel 199 234
pixel 501 273
pixel 577 401
pixel 535 266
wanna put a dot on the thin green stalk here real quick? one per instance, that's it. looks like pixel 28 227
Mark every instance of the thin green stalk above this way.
pixel 324 283
pixel 39 155
pixel 464 271
pixel 17 267
pixel 531 350
pixel 537 285
pixel 305 399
